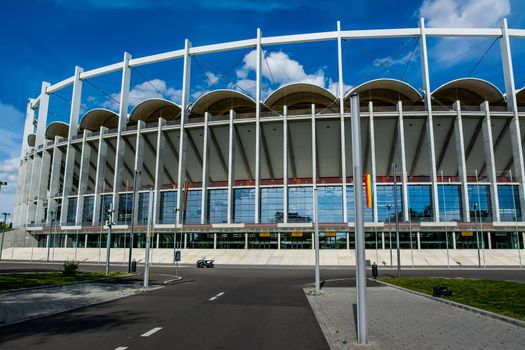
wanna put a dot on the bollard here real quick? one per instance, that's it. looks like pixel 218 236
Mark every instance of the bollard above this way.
pixel 374 270
pixel 134 266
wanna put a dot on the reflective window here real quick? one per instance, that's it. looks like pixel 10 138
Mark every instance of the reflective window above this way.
pixel 300 204
pixel 450 203
pixel 272 203
pixel 244 205
pixel 125 208
pixel 168 203
pixel 330 204
pixel 192 215
pixel 368 212
pixel 142 215
pixel 420 202
pixel 218 206
pixel 105 204
pixel 71 210
pixel 87 211
pixel 386 204
pixel 509 203
pixel 480 205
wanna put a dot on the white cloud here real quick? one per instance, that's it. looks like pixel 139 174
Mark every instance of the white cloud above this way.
pixel 388 61
pixel 155 88
pixel 464 13
pixel 461 13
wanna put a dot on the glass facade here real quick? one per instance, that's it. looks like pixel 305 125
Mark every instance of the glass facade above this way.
pixel 420 202
pixel 87 211
pixel 142 215
pixel 300 204
pixel 509 203
pixel 384 198
pixel 168 203
pixel 244 205
pixel 105 204
pixel 71 210
pixel 272 202
pixel 368 212
pixel 217 206
pixel 330 203
pixel 450 203
pixel 192 214
pixel 480 205
pixel 125 207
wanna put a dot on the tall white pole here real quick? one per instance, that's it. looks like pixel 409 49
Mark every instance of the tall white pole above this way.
pixel 445 214
pixel 362 323
pixel 316 242
pixel 108 240
pixel 515 217
pixel 148 240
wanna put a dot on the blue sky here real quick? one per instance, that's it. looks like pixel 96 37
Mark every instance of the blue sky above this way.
pixel 44 40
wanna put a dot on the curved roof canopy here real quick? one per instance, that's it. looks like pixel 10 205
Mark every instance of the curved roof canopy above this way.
pixel 386 92
pixel 299 96
pixel 520 97
pixel 470 91
pixel 57 129
pixel 31 139
pixel 98 117
pixel 152 109
pixel 220 102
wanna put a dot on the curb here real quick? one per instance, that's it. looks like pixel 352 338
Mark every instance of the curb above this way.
pixel 64 284
pixel 486 313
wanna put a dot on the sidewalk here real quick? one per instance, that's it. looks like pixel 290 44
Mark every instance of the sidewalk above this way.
pixel 402 320
pixel 17 306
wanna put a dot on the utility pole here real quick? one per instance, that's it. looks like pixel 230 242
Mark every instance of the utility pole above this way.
pixel 362 323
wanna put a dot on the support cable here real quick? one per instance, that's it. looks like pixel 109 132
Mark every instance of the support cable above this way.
pixel 482 57
pixel 101 91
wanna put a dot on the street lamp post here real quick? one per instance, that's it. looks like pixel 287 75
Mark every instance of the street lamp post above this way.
pixel 397 222
pixel 477 233
pixel 515 219
pixel 388 206
pixel 3 183
pixel 108 240
pixel 131 234
pixel 3 233
pixel 316 242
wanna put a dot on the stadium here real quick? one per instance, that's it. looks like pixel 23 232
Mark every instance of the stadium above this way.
pixel 246 167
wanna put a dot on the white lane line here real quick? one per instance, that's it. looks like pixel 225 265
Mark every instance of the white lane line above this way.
pixel 121 348
pixel 152 331
pixel 215 297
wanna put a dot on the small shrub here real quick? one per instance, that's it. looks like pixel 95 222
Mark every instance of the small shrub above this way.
pixel 70 267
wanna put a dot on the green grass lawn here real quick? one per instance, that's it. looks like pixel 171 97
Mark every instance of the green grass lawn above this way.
pixel 504 298
pixel 25 280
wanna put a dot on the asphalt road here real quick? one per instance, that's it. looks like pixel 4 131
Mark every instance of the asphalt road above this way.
pixel 221 308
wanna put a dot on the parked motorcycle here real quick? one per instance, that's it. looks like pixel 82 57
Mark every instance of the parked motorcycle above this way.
pixel 202 263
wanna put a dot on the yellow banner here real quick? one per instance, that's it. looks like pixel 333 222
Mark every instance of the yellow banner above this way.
pixel 329 234
pixel 264 234
pixel 297 234
pixel 467 234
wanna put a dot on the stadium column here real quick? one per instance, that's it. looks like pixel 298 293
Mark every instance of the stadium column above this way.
pixel 258 81
pixel 54 183
pixel 462 164
pixel 137 168
pixel 205 168
pixel 83 177
pixel 181 173
pixel 488 148
pixel 28 129
pixel 121 144
pixel 159 170
pixel 342 119
pixel 510 92
pixel 285 165
pixel 404 180
pixel 43 178
pixel 100 176
pixel 71 151
pixel 37 159
pixel 231 167
pixel 430 124
pixel 24 197
pixel 373 159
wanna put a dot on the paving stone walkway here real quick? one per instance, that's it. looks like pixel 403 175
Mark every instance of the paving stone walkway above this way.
pixel 18 306
pixel 402 320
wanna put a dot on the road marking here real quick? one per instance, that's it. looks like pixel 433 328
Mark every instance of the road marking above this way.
pixel 150 332
pixel 121 348
pixel 215 297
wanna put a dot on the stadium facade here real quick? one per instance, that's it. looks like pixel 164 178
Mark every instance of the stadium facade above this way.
pixel 250 165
